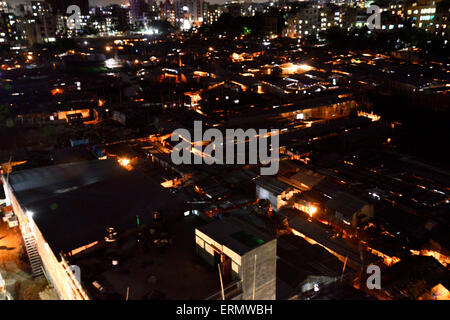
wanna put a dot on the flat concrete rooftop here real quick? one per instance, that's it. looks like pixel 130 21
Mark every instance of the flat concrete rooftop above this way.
pixel 73 203
pixel 150 272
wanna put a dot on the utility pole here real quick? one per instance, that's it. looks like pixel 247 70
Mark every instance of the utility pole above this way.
pixel 254 278
pixel 343 269
pixel 221 282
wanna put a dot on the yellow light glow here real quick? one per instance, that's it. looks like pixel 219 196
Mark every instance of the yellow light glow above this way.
pixel 292 68
pixel 370 115
pixel 56 91
pixel 124 162
pixel 311 210
pixel 236 57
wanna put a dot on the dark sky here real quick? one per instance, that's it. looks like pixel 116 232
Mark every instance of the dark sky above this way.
pixel 103 2
pixel 92 2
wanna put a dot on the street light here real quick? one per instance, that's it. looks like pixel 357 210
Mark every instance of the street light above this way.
pixel 312 210
pixel 29 214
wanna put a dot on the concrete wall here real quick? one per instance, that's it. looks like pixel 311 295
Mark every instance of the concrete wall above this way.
pixel 262 193
pixel 205 248
pixel 365 214
pixel 57 272
pixel 260 283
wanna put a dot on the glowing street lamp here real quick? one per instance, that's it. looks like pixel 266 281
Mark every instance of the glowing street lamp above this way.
pixel 312 210
pixel 29 221
pixel 29 214
pixel 124 162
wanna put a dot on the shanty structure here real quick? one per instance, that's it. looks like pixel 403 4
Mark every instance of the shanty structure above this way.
pixel 348 209
pixel 272 189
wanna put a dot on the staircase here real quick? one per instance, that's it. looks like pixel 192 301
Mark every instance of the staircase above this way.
pixel 33 255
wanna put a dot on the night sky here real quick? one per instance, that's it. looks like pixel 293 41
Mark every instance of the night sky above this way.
pixel 105 2
pixel 92 2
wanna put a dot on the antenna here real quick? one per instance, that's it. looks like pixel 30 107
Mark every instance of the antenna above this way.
pixel 343 269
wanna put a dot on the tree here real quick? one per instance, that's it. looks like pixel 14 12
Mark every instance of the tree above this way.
pixel 6 117
pixel 60 45
pixel 89 30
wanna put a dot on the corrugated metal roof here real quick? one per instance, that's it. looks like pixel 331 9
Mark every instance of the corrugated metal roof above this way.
pixel 346 203
pixel 272 184
pixel 307 177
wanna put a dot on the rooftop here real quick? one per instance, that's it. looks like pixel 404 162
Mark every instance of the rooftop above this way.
pixel 408 275
pixel 345 203
pixel 272 184
pixel 234 237
pixel 74 203
pixel 150 272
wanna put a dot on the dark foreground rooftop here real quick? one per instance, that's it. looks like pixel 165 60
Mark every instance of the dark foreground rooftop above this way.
pixel 147 271
pixel 72 204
